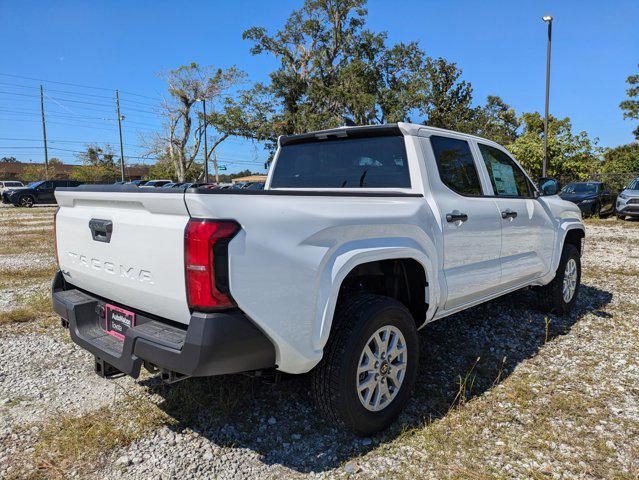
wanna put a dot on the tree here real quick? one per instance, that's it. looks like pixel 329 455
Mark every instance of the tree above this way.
pixel 98 165
pixel 622 159
pixel 449 100
pixel 496 121
pixel 570 156
pixel 187 85
pixel 331 67
pixel 630 106
pixel 36 171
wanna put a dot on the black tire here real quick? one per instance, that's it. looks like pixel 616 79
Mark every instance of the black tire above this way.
pixel 596 211
pixel 26 201
pixel 550 298
pixel 334 380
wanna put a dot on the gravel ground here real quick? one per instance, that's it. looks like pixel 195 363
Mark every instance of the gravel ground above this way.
pixel 550 397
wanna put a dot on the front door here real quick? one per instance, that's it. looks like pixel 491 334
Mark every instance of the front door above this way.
pixel 527 237
pixel 470 222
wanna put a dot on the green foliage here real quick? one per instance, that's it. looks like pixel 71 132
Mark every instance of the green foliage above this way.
pixel 98 165
pixel 630 106
pixel 34 172
pixel 573 156
pixel 622 159
pixel 331 67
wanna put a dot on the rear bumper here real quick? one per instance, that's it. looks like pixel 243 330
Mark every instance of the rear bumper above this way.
pixel 212 344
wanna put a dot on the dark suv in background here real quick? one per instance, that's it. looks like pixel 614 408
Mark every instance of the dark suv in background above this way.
pixel 592 198
pixel 36 192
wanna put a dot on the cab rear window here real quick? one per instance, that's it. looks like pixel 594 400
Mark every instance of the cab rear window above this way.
pixel 367 162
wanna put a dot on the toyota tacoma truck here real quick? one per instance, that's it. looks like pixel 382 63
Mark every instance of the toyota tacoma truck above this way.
pixel 361 236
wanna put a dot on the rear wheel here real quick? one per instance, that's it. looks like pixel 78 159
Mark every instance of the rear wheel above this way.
pixel 27 201
pixel 560 295
pixel 369 366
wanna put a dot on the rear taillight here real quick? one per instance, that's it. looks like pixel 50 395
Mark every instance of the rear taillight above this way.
pixel 55 236
pixel 206 263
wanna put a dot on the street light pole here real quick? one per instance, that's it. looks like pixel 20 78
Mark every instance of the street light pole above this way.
pixel 548 20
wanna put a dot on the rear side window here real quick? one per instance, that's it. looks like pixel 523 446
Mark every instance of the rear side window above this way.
pixel 506 177
pixel 456 166
pixel 368 162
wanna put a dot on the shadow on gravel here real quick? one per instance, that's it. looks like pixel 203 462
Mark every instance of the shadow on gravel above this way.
pixel 279 422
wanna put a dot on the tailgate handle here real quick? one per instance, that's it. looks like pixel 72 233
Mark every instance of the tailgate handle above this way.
pixel 101 230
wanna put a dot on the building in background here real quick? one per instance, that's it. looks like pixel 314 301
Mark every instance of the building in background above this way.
pixel 249 179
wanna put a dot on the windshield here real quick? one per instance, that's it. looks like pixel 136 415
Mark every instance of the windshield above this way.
pixel 35 184
pixel 634 185
pixel 580 188
pixel 368 162
pixel 12 184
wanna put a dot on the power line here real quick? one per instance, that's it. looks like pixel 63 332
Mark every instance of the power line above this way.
pixel 83 94
pixel 76 85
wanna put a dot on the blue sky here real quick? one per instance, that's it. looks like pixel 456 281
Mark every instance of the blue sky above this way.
pixel 123 44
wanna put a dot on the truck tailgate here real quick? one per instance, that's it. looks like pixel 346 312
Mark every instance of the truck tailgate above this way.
pixel 140 264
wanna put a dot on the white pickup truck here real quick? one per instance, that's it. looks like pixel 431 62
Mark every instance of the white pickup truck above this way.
pixel 361 236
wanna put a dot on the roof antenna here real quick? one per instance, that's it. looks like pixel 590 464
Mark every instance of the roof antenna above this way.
pixel 347 122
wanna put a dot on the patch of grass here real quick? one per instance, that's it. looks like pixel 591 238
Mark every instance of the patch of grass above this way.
pixel 35 307
pixel 598 272
pixel 10 277
pixel 70 443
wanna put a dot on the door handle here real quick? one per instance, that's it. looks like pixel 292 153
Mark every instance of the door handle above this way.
pixel 456 216
pixel 508 213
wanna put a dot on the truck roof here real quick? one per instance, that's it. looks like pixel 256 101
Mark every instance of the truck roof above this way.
pixel 370 130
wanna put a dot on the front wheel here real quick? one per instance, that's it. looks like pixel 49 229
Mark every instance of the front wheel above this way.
pixel 27 201
pixel 369 366
pixel 560 295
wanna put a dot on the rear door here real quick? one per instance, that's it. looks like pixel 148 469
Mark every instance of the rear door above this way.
pixel 471 224
pixel 127 247
pixel 528 233
pixel 44 192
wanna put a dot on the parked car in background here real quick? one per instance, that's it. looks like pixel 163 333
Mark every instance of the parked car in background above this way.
pixel 362 236
pixel 255 186
pixel 628 201
pixel 592 198
pixel 137 183
pixel 10 185
pixel 155 183
pixel 36 192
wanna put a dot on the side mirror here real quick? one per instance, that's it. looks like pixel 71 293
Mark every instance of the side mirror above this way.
pixel 548 186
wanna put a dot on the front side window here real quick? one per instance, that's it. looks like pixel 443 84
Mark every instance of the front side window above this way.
pixel 586 188
pixel 456 166
pixel 366 162
pixel 507 179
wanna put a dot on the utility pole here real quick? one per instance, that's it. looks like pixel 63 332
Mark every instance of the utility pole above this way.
pixel 44 135
pixel 215 167
pixel 548 20
pixel 206 149
pixel 120 118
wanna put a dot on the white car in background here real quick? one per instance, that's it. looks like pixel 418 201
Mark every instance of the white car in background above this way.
pixel 10 185
pixel 628 201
